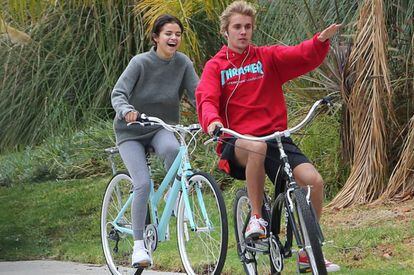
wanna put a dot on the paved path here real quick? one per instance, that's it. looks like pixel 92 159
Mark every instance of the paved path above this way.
pixel 64 268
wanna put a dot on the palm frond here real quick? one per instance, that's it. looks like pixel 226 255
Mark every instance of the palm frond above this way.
pixel 12 34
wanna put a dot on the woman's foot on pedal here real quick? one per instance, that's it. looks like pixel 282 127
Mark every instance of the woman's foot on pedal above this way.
pixel 256 228
pixel 304 265
pixel 140 257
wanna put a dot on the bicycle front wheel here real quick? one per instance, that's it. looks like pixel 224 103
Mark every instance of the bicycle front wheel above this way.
pixel 203 250
pixel 311 237
pixel 117 246
pixel 255 254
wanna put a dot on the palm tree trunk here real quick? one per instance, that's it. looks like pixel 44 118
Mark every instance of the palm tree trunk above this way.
pixel 369 97
pixel 401 184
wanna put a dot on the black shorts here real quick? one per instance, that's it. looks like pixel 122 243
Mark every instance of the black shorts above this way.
pixel 272 162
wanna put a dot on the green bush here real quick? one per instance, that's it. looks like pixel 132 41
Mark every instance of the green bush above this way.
pixel 320 142
pixel 60 157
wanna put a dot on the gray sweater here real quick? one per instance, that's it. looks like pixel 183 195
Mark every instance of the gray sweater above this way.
pixel 152 86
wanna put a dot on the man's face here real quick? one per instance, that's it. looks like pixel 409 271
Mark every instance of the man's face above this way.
pixel 240 32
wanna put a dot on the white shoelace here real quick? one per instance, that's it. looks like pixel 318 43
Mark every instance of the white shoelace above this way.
pixel 261 221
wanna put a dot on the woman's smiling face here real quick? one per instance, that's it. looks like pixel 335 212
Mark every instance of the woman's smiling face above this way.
pixel 168 40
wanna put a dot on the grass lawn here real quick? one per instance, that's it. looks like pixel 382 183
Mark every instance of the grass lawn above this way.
pixel 60 220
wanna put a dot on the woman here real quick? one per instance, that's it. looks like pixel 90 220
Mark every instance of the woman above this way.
pixel 152 83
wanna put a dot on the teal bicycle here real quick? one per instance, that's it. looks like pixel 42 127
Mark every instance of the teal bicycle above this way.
pixel 193 197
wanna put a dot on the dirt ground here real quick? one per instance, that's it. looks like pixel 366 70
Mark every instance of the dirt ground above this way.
pixel 361 216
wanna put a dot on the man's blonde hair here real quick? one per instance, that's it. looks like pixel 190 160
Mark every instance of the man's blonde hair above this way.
pixel 237 7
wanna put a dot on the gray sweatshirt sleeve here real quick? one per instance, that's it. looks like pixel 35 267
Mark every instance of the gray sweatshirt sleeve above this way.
pixel 190 82
pixel 123 88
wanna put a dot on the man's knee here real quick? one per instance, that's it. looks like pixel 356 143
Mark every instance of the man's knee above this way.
pixel 257 150
pixel 306 174
pixel 316 181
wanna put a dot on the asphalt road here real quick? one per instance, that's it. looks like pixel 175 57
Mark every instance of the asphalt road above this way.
pixel 43 267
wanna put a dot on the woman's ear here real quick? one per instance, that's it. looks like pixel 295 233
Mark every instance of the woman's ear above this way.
pixel 154 37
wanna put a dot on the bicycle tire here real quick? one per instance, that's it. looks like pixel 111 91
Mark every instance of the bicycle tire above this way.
pixel 116 194
pixel 253 262
pixel 198 249
pixel 282 230
pixel 310 233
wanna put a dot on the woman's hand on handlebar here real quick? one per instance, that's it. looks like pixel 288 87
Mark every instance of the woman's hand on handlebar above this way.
pixel 213 126
pixel 131 116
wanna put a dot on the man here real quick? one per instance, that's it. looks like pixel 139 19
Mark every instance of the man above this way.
pixel 241 89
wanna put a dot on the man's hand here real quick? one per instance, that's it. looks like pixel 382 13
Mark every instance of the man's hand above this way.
pixel 329 32
pixel 213 126
pixel 131 116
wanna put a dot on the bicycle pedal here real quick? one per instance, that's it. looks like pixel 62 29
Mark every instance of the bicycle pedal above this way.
pixel 305 270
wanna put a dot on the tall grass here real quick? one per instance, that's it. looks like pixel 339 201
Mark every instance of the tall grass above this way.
pixel 65 75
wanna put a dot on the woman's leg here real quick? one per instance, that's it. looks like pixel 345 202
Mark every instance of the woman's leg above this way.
pixel 166 146
pixel 133 154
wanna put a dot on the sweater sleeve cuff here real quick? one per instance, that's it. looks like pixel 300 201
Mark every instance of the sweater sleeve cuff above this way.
pixel 125 111
pixel 322 48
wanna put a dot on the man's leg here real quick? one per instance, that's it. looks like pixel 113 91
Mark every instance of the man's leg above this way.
pixel 306 174
pixel 251 154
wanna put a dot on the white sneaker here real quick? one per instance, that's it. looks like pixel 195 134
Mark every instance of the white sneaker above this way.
pixel 140 258
pixel 256 228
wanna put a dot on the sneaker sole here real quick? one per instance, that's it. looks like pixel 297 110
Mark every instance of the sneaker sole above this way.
pixel 305 269
pixel 142 265
pixel 308 269
pixel 255 236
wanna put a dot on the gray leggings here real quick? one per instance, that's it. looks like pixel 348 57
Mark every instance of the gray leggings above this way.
pixel 132 153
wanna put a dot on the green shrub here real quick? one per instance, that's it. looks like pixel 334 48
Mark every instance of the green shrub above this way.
pixel 60 157
pixel 320 142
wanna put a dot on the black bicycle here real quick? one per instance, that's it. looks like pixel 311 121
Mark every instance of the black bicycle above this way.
pixel 291 215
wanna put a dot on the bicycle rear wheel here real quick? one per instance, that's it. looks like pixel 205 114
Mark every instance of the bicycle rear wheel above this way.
pixel 117 246
pixel 309 227
pixel 204 250
pixel 254 262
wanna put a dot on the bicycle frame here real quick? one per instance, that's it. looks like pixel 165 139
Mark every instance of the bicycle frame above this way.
pixel 290 187
pixel 179 173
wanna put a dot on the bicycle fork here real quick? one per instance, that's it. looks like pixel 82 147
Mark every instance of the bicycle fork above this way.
pixel 188 214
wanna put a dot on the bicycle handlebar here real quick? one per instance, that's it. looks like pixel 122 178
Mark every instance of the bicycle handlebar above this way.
pixel 277 134
pixel 145 120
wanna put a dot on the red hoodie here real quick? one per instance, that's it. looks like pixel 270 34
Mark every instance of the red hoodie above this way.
pixel 253 80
